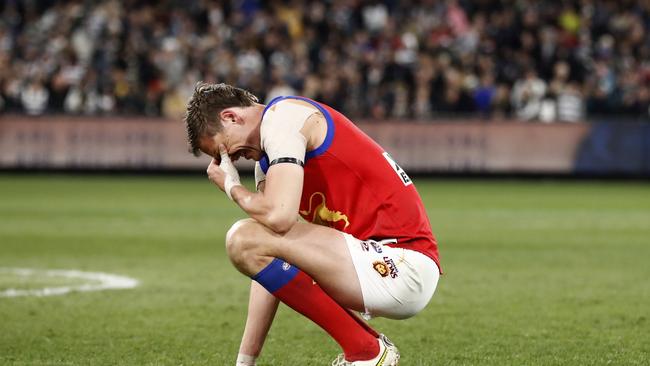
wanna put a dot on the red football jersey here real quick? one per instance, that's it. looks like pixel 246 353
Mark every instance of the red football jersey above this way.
pixel 351 184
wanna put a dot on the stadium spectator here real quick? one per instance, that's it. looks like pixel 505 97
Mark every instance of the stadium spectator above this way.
pixel 379 59
pixel 527 95
pixel 34 97
pixel 570 106
pixel 484 95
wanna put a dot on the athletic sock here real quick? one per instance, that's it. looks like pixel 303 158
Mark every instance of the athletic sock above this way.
pixel 297 290
pixel 362 323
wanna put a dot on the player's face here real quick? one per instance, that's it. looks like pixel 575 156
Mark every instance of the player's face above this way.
pixel 238 140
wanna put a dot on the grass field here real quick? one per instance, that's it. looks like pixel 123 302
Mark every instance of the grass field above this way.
pixel 537 273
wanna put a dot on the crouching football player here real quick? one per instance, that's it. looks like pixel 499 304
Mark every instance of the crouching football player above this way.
pixel 367 244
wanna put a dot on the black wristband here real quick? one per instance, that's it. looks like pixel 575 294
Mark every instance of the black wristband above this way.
pixel 287 160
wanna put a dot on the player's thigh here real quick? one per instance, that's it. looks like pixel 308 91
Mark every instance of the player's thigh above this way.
pixel 322 252
pixel 319 251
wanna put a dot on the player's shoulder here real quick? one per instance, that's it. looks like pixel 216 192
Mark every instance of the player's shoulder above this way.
pixel 285 117
pixel 293 101
pixel 293 111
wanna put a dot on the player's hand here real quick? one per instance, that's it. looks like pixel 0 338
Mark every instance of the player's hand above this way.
pixel 223 174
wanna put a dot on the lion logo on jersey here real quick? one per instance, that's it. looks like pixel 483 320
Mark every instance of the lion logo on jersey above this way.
pixel 321 215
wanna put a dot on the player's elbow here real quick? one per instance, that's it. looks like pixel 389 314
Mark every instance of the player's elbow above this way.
pixel 281 222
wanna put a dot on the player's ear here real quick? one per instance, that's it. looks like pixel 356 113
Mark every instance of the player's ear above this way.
pixel 228 116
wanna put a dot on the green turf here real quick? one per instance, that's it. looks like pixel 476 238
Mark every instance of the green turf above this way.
pixel 537 273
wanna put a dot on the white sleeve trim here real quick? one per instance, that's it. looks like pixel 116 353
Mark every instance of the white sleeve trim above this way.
pixel 259 174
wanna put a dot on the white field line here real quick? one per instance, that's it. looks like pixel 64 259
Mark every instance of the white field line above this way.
pixel 100 281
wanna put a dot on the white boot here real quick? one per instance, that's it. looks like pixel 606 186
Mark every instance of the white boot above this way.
pixel 388 356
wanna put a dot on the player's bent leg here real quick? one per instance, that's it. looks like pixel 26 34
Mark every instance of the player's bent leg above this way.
pixel 319 251
pixel 250 245
pixel 361 275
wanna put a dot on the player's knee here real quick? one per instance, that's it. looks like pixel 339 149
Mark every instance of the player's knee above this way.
pixel 240 242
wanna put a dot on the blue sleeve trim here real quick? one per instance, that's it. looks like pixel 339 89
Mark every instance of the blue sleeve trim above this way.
pixel 330 127
pixel 264 163
pixel 276 275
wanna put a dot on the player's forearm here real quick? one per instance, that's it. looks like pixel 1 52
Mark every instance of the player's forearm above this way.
pixel 261 311
pixel 261 208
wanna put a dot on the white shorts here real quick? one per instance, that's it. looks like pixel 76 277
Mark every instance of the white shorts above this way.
pixel 396 283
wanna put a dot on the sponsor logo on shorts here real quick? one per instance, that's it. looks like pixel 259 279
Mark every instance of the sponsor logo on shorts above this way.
pixel 364 246
pixel 392 268
pixel 376 246
pixel 286 266
pixel 381 268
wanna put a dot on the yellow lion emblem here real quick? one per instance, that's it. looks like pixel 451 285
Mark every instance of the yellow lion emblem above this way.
pixel 321 215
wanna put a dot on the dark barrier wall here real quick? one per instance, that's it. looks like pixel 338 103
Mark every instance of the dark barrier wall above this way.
pixel 611 147
pixel 462 147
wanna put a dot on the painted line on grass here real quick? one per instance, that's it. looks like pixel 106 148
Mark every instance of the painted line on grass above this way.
pixel 100 281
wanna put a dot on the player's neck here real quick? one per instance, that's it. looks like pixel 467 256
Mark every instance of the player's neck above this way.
pixel 257 111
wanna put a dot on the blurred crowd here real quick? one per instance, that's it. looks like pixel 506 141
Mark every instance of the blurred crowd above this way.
pixel 532 60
